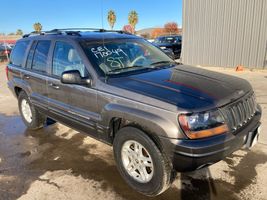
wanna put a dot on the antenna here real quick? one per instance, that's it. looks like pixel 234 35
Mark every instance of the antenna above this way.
pixel 102 18
pixel 103 39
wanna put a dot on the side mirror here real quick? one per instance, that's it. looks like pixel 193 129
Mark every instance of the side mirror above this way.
pixel 74 77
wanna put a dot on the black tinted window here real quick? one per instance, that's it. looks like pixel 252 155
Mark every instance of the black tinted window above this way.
pixel 66 58
pixel 168 39
pixel 18 53
pixel 30 55
pixel 40 56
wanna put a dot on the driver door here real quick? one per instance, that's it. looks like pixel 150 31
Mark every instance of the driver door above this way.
pixel 70 103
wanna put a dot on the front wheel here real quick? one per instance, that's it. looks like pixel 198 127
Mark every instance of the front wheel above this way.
pixel 30 116
pixel 141 163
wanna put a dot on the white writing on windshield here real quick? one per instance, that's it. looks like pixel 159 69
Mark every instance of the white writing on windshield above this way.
pixel 101 52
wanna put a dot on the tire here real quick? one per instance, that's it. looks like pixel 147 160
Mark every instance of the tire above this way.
pixel 31 117
pixel 162 172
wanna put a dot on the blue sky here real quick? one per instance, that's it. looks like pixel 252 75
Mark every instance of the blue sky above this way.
pixel 21 14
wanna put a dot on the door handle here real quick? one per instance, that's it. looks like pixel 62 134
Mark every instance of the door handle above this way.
pixel 54 86
pixel 26 76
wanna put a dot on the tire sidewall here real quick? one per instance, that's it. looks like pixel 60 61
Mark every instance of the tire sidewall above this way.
pixel 23 96
pixel 155 185
pixel 36 122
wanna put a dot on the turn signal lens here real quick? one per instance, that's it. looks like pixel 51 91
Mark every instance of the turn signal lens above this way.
pixel 207 133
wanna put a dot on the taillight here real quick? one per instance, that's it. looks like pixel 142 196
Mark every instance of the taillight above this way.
pixel 7 72
pixel 6 52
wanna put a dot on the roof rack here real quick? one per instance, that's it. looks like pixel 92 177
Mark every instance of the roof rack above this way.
pixel 72 31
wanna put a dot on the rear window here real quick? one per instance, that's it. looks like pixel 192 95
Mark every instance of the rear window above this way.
pixel 40 56
pixel 18 53
pixel 168 40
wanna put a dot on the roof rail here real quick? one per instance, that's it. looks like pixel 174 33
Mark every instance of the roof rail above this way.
pixel 32 34
pixel 88 29
pixel 72 31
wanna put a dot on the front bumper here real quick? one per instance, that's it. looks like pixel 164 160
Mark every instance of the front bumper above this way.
pixel 188 155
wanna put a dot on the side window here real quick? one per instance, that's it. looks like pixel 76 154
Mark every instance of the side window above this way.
pixel 18 53
pixel 30 55
pixel 66 58
pixel 39 62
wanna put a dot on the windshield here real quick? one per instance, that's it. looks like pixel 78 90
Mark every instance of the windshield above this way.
pixel 168 40
pixel 120 56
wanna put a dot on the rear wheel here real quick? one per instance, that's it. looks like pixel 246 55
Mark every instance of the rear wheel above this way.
pixel 141 163
pixel 30 116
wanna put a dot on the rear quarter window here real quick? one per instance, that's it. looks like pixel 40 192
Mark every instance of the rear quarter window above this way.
pixel 18 53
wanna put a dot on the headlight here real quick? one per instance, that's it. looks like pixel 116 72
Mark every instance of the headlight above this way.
pixel 201 125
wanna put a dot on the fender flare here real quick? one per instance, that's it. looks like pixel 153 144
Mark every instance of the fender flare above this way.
pixel 156 124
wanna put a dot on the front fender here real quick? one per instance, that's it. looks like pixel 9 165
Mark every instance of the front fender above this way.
pixel 151 122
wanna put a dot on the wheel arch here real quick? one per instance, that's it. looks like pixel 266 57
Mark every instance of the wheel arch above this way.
pixel 118 123
pixel 119 116
pixel 17 90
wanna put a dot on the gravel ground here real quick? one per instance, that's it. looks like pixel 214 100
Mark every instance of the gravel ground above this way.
pixel 60 163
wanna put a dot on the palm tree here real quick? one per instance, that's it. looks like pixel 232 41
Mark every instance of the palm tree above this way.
pixel 19 32
pixel 133 18
pixel 37 27
pixel 111 18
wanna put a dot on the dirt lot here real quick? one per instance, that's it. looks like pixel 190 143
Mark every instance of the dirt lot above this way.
pixel 59 163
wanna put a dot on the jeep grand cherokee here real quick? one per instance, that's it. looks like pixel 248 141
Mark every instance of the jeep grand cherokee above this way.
pixel 160 117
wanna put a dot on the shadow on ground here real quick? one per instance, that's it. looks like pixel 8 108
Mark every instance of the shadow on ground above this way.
pixel 26 155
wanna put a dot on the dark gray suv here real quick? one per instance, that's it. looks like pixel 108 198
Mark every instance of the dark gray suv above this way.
pixel 160 116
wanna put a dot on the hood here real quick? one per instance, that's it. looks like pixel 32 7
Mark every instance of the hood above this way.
pixel 186 87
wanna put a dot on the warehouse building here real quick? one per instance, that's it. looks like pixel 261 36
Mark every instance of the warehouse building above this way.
pixel 225 33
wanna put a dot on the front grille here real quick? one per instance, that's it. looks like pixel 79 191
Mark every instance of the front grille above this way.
pixel 240 112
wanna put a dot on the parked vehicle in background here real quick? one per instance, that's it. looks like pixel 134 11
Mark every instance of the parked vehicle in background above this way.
pixel 160 117
pixel 4 53
pixel 168 52
pixel 7 45
pixel 11 46
pixel 170 43
pixel 151 40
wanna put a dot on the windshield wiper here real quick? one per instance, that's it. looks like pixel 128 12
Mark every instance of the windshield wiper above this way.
pixel 121 69
pixel 162 62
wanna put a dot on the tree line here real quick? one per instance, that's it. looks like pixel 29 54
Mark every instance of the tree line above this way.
pixel 18 32
pixel 111 18
pixel 169 28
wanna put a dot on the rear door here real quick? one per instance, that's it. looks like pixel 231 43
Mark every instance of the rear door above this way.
pixel 36 72
pixel 74 104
